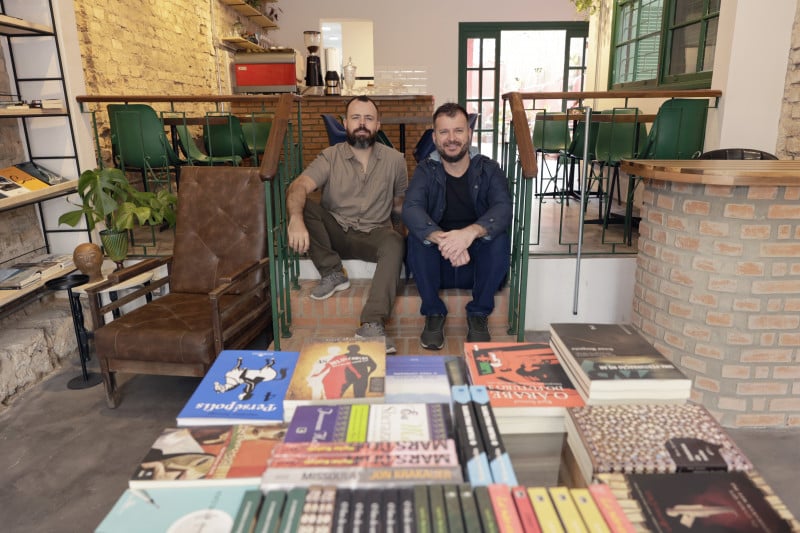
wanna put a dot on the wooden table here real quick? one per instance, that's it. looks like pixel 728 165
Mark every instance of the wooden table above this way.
pixel 402 121
pixel 732 173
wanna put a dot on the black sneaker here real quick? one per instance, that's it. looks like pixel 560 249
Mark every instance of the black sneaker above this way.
pixel 432 337
pixel 478 328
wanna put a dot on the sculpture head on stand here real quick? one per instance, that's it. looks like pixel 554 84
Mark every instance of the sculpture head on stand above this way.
pixel 88 258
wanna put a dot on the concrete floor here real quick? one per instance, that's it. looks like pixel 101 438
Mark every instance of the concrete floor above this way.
pixel 65 457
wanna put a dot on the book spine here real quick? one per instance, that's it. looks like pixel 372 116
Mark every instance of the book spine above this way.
pixel 248 510
pixel 614 515
pixel 391 504
pixel 499 460
pixel 594 521
pixel 437 508
pixel 348 476
pixel 440 423
pixel 527 516
pixel 483 502
pixel 269 516
pixel 343 511
pixel 422 508
pixel 293 509
pixel 374 511
pixel 376 460
pixel 452 505
pixel 357 424
pixel 505 512
pixel 473 455
pixel 570 517
pixel 360 505
pixel 293 449
pixel 469 509
pixel 406 521
pixel 546 513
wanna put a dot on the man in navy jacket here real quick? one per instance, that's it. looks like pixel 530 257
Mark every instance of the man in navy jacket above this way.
pixel 458 211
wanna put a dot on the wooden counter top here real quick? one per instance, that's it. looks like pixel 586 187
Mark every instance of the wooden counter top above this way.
pixel 785 173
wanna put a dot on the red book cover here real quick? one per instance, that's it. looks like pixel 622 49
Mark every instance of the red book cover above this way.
pixel 610 509
pixel 520 375
pixel 527 516
pixel 505 512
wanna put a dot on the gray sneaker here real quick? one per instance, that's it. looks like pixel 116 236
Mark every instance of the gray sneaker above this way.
pixel 375 329
pixel 330 283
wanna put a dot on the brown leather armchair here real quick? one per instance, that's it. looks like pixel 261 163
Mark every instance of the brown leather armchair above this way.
pixel 218 280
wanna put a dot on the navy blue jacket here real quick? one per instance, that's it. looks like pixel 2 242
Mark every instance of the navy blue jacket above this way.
pixel 424 203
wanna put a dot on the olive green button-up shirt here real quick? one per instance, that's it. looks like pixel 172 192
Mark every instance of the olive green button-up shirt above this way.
pixel 359 198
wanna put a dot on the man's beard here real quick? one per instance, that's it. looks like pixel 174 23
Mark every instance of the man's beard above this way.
pixel 361 142
pixel 453 158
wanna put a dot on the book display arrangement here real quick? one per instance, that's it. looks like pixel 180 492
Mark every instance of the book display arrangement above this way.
pixel 25 178
pixel 22 274
pixel 528 389
pixel 362 463
pixel 613 363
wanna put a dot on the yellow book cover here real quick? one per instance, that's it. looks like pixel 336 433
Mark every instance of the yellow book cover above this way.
pixel 592 517
pixel 570 517
pixel 345 370
pixel 23 179
pixel 545 511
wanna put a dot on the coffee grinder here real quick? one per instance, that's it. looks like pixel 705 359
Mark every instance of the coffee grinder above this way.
pixel 312 40
pixel 333 66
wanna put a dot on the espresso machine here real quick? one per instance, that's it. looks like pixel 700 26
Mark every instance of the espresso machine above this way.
pixel 313 40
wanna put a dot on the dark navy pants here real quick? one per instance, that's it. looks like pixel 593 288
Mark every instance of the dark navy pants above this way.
pixel 484 274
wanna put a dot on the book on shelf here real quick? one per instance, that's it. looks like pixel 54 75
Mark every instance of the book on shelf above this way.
pixel 649 438
pixel 614 363
pixel 528 389
pixel 701 501
pixel 417 378
pixel 241 387
pixel 211 508
pixel 41 173
pixel 337 371
pixel 49 264
pixel 15 278
pixel 21 178
pixel 207 455
pixel 371 423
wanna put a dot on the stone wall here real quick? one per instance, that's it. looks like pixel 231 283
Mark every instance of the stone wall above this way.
pixel 788 146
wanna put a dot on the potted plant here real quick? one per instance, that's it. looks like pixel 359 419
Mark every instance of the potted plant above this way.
pixel 108 198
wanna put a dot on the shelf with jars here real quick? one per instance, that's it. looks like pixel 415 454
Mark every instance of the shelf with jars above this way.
pixel 246 10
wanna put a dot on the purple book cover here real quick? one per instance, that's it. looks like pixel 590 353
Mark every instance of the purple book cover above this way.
pixel 319 423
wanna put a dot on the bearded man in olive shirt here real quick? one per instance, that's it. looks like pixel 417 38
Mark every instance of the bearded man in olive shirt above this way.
pixel 362 184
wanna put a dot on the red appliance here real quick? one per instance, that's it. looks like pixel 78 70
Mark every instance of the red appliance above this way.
pixel 272 72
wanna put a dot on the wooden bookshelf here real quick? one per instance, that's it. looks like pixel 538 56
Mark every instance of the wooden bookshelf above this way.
pixel 240 43
pixel 34 197
pixel 250 13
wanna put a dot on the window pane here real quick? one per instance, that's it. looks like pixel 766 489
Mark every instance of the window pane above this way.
pixel 685 44
pixel 488 84
pixel 473 89
pixel 711 45
pixel 713 6
pixel 637 40
pixel 473 52
pixel 576 51
pixel 688 11
pixel 488 53
pixel 646 66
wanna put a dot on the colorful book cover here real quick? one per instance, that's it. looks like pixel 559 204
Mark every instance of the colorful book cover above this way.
pixel 336 449
pixel 567 511
pixel 241 387
pixel 545 511
pixel 318 509
pixel 22 178
pixel 200 455
pixel 591 515
pixel 527 516
pixel 417 378
pixel 474 460
pixel 336 371
pixel 170 509
pixel 352 476
pixel 319 423
pixel 446 458
pixel 708 501
pixel 521 375
pixel 499 460
pixel 612 511
pixel 505 512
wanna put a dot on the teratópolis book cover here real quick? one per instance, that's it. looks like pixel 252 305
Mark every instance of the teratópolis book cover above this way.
pixel 337 371
pixel 207 455
pixel 241 387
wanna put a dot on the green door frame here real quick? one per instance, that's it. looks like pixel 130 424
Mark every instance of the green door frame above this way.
pixel 492 31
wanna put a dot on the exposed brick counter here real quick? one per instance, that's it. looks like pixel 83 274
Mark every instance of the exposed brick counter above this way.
pixel 315 138
pixel 718 282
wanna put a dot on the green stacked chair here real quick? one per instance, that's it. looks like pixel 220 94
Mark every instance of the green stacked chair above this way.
pixel 225 138
pixel 678 131
pixel 195 156
pixel 550 136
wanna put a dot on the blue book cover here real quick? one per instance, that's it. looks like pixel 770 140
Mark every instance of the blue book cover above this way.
pixel 499 460
pixel 417 378
pixel 182 509
pixel 241 387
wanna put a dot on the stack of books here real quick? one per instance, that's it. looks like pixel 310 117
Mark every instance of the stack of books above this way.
pixel 528 389
pixel 613 363
pixel 21 274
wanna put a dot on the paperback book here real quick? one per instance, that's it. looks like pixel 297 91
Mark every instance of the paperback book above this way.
pixel 528 389
pixel 241 387
pixel 649 438
pixel 22 178
pixel 206 456
pixel 417 378
pixel 337 371
pixel 613 363
pixel 706 501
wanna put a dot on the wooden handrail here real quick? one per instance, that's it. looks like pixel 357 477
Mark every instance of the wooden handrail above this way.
pixel 272 152
pixel 235 98
pixel 584 95
pixel 522 131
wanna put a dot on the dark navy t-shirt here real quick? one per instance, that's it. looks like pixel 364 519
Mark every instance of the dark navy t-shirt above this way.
pixel 459 211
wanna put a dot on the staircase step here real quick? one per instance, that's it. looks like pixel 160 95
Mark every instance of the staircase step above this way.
pixel 338 316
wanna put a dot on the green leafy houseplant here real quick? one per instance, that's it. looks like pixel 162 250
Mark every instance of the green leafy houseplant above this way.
pixel 108 198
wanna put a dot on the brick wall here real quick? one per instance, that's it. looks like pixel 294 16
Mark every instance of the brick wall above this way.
pixel 788 145
pixel 718 292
